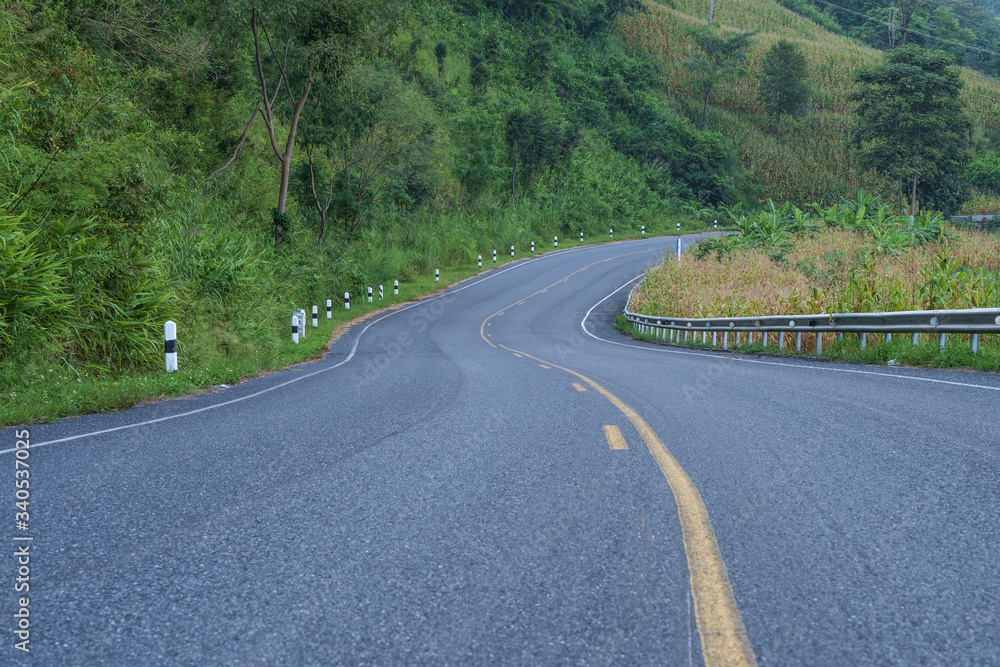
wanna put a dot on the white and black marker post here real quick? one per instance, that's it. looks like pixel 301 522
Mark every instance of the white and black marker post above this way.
pixel 532 246
pixel 494 256
pixel 437 275
pixel 369 294
pixel 295 328
pixel 329 309
pixel 480 261
pixel 381 294
pixel 395 287
pixel 315 317
pixel 644 230
pixel 716 224
pixel 347 300
pixel 555 241
pixel 581 237
pixel 170 345
pixel 512 251
pixel 611 232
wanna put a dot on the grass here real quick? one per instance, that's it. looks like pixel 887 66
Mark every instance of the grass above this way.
pixel 43 393
pixel 834 271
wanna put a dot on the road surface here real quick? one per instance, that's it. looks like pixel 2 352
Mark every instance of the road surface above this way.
pixel 495 476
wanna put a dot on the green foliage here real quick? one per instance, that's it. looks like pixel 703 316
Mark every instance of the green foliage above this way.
pixel 911 125
pixel 783 88
pixel 138 179
pixel 717 246
pixel 718 59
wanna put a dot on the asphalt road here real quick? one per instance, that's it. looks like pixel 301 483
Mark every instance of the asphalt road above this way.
pixel 442 488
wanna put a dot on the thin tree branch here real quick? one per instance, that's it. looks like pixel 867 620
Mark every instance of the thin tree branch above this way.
pixel 246 132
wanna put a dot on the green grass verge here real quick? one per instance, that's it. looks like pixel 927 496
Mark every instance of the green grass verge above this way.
pixel 957 354
pixel 45 392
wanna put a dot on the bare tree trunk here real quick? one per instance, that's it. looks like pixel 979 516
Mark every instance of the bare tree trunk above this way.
pixel 913 198
pixel 284 156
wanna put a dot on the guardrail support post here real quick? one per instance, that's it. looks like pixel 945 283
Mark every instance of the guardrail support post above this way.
pixel 863 340
pixel 915 339
pixel 819 344
pixel 840 335
pixel 763 338
pixel 888 338
pixel 704 337
pixel 781 340
pixel 798 341
pixel 725 340
pixel 686 333
pixel 974 343
pixel 715 339
pixel 737 343
pixel 942 339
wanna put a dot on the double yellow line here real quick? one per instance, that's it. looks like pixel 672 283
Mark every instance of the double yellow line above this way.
pixel 723 638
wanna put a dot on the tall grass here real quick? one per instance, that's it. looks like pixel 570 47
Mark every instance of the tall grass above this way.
pixel 834 270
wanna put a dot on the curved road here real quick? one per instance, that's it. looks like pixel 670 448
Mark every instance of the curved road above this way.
pixel 494 476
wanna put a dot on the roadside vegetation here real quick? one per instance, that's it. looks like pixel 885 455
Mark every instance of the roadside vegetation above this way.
pixel 149 170
pixel 856 256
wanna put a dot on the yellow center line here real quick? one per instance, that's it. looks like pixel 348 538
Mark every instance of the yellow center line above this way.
pixel 545 367
pixel 579 387
pixel 615 438
pixel 723 637
pixel 720 627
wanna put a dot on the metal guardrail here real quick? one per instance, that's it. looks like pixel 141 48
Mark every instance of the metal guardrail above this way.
pixel 972 321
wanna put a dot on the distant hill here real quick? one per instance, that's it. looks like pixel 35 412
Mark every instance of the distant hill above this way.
pixel 809 161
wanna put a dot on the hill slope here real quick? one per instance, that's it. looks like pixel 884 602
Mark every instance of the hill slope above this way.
pixel 809 160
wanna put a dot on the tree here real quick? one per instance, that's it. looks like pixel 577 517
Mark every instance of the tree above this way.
pixel 783 89
pixel 911 125
pixel 537 136
pixel 719 58
pixel 365 131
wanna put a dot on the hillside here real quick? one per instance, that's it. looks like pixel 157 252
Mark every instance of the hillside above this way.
pixel 140 182
pixel 809 160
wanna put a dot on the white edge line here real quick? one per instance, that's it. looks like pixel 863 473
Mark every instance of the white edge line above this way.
pixel 449 291
pixel 657 348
